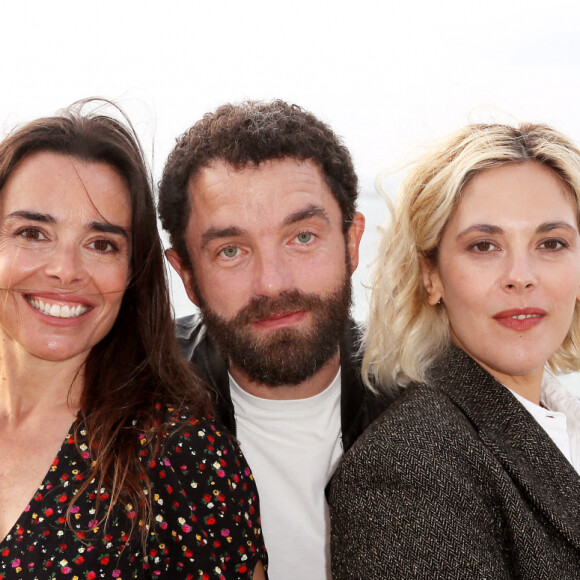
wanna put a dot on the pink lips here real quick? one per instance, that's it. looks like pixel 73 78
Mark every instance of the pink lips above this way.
pixel 281 320
pixel 520 318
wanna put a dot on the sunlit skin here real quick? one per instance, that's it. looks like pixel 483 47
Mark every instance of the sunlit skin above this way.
pixel 508 272
pixel 65 244
pixel 261 231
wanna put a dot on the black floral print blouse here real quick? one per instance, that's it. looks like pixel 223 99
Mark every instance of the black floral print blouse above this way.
pixel 205 509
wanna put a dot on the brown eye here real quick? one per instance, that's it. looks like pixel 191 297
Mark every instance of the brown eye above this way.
pixel 31 234
pixel 103 246
pixel 484 246
pixel 552 245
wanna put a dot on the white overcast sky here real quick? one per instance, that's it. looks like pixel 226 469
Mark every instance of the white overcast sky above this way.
pixel 387 76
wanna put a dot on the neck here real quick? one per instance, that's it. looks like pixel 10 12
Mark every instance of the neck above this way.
pixel 309 388
pixel 31 387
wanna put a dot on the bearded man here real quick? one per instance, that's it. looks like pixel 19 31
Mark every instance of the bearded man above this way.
pixel 259 200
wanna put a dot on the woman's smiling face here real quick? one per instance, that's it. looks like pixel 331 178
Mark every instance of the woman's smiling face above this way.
pixel 65 245
pixel 508 270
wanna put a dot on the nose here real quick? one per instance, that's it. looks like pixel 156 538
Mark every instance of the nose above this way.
pixel 519 274
pixel 66 264
pixel 272 274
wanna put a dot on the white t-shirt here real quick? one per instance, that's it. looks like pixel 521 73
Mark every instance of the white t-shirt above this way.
pixel 292 448
pixel 559 417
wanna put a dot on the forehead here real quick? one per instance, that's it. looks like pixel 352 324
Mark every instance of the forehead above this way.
pixel 269 191
pixel 55 182
pixel 524 192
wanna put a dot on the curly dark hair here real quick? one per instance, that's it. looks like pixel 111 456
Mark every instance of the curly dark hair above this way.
pixel 250 133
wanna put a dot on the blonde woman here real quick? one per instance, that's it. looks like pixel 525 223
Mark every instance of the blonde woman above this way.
pixel 473 473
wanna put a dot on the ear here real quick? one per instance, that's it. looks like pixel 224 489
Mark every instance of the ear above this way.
pixel 353 237
pixel 431 280
pixel 184 273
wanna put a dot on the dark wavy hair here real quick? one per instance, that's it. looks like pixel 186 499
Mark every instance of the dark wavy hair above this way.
pixel 135 372
pixel 250 133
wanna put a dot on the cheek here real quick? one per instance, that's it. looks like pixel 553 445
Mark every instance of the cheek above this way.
pixel 112 281
pixel 462 285
pixel 16 265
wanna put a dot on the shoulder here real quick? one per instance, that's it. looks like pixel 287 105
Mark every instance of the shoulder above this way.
pixel 201 442
pixel 190 333
pixel 188 326
pixel 360 406
pixel 422 426
pixel 204 499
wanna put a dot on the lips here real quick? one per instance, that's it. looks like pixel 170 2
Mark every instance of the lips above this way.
pixel 520 318
pixel 58 309
pixel 280 320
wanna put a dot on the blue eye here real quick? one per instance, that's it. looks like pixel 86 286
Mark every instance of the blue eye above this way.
pixel 304 237
pixel 230 252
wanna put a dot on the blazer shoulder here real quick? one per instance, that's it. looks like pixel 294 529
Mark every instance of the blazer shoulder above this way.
pixel 423 425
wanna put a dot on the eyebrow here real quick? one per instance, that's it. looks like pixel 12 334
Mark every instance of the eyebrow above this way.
pixel 549 226
pixel 33 216
pixel 103 227
pixel 214 233
pixel 480 228
pixel 495 230
pixel 311 211
pixel 108 228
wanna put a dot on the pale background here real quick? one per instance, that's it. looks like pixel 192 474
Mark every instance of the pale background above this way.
pixel 387 76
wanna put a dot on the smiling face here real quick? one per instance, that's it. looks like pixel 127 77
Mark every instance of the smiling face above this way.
pixel 508 271
pixel 267 247
pixel 64 255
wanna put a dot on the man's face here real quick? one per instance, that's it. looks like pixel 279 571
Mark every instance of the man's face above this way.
pixel 272 266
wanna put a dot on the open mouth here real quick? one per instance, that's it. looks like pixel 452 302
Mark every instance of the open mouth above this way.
pixel 57 310
pixel 524 316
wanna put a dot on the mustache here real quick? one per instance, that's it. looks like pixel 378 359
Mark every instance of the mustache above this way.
pixel 263 306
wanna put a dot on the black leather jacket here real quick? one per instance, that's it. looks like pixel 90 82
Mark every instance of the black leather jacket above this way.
pixel 359 406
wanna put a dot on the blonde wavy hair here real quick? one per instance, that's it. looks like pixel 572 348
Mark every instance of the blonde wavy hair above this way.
pixel 405 334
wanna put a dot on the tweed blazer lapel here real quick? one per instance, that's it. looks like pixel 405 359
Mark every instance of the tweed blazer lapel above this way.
pixel 527 453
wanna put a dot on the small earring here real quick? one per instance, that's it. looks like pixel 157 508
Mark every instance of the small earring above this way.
pixel 440 301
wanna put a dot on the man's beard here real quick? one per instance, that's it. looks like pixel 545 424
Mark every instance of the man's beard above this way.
pixel 287 356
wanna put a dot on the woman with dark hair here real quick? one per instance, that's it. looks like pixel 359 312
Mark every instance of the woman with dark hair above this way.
pixel 109 468
pixel 474 471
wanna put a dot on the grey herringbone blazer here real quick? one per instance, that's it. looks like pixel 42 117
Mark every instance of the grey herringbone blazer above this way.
pixel 455 481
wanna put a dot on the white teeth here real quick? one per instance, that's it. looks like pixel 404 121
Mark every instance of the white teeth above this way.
pixel 56 310
pixel 524 316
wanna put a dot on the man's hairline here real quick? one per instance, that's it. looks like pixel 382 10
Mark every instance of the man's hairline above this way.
pixel 193 174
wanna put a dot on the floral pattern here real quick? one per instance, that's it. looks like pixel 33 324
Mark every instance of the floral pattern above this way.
pixel 205 509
